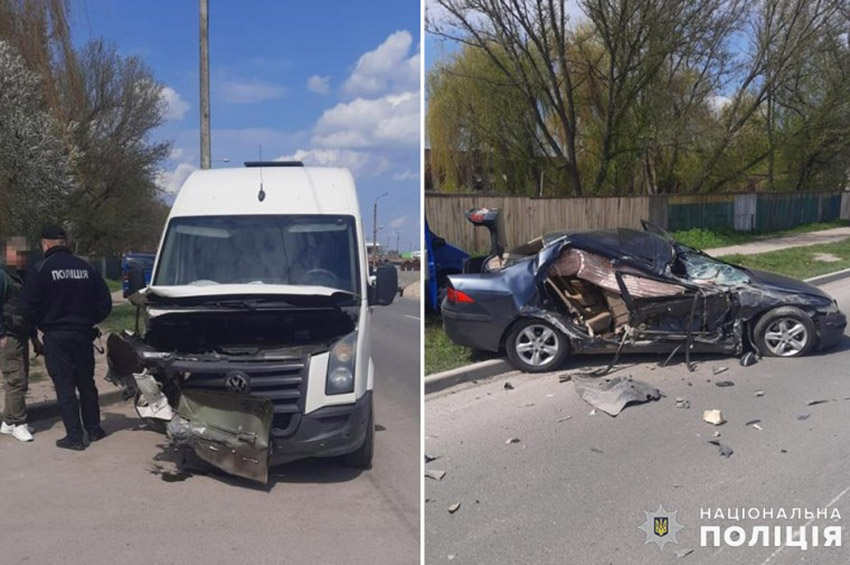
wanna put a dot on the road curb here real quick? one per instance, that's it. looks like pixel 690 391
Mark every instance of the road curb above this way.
pixel 829 277
pixel 474 372
pixel 50 408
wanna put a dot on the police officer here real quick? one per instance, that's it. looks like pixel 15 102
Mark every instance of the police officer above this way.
pixel 15 335
pixel 66 297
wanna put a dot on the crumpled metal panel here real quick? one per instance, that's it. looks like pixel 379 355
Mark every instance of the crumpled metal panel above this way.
pixel 612 395
pixel 226 430
pixel 599 271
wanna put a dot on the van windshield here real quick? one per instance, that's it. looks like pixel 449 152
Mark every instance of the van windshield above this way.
pixel 303 250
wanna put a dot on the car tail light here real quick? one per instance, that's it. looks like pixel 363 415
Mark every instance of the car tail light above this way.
pixel 458 296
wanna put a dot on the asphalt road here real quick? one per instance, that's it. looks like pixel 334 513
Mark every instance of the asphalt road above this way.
pixel 575 491
pixel 120 501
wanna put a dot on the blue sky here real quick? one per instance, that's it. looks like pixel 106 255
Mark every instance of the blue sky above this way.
pixel 328 82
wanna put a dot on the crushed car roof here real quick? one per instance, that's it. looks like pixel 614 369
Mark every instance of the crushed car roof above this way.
pixel 641 246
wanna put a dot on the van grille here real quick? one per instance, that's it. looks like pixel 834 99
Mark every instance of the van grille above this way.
pixel 282 382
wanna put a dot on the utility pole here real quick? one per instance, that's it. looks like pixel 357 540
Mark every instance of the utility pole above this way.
pixel 205 85
pixel 375 229
pixel 397 238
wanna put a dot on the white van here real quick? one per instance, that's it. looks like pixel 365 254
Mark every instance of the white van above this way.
pixel 255 344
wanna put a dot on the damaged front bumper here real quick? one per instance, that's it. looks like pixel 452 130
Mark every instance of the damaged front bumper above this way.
pixel 326 432
pixel 830 328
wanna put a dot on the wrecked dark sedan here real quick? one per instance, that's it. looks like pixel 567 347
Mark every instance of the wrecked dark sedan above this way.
pixel 627 290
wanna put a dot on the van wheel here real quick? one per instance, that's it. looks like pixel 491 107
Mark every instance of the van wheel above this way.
pixel 785 332
pixel 361 458
pixel 535 346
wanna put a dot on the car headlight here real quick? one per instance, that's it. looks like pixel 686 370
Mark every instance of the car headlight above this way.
pixel 831 308
pixel 340 379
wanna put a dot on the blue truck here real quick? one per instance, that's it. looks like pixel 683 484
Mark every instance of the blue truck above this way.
pixel 141 261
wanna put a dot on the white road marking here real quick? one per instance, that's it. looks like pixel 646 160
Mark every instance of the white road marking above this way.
pixel 806 525
pixel 412 317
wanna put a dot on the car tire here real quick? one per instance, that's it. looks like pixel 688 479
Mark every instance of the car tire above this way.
pixel 785 332
pixel 535 346
pixel 361 458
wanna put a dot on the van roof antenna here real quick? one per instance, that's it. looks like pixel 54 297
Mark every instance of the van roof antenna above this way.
pixel 262 194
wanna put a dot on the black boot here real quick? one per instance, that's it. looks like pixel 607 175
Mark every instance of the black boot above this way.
pixel 96 434
pixel 70 443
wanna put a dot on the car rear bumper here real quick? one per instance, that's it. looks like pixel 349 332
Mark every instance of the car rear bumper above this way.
pixel 478 331
pixel 327 432
pixel 830 328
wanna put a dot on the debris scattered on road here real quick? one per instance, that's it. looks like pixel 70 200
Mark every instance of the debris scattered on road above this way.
pixel 565 378
pixel 718 370
pixel 435 474
pixel 511 440
pixel 802 417
pixel 783 451
pixel 814 402
pixel 429 458
pixel 749 359
pixel 725 450
pixel 594 450
pixel 592 412
pixel 550 396
pixel 758 427
pixel 713 417
pixel 759 393
pixel 612 395
pixel 716 434
pixel 724 383
pixel 683 553
pixel 509 386
pixel 454 507
pixel 682 403
pixel 752 422
pixel 451 557
pixel 564 419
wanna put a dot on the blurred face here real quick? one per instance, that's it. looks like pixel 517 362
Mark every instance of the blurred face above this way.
pixel 14 254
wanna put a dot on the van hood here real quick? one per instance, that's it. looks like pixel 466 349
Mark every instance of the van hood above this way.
pixel 256 289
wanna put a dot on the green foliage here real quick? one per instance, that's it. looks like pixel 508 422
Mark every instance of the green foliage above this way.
pixel 798 262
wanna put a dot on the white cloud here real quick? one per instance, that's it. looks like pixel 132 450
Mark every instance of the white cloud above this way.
pixel 319 84
pixel 359 163
pixel 389 67
pixel 407 174
pixel 396 223
pixel 176 153
pixel 175 106
pixel 718 103
pixel 248 91
pixel 170 182
pixel 390 120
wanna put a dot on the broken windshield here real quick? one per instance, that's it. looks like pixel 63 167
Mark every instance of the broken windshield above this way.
pixel 303 250
pixel 697 267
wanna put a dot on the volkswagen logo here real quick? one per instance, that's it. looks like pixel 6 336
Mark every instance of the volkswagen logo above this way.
pixel 237 381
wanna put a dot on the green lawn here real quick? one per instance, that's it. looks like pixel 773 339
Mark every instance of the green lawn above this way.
pixel 708 239
pixel 441 354
pixel 798 262
pixel 123 317
pixel 114 286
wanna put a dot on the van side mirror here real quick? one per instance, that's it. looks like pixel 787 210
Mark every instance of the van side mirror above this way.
pixel 386 286
pixel 135 280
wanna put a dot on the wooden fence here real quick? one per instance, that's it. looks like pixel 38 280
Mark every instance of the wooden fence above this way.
pixel 527 218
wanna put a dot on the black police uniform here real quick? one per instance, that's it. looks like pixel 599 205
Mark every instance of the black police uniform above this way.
pixel 66 297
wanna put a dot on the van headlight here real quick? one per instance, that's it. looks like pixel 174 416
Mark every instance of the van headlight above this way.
pixel 340 379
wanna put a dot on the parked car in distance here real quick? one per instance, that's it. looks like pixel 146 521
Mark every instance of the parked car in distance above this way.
pixel 637 291
pixel 131 261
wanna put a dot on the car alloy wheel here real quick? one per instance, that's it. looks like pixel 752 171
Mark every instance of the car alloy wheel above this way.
pixel 537 345
pixel 786 337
